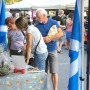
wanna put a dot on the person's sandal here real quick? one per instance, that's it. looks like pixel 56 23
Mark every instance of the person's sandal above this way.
pixel 59 51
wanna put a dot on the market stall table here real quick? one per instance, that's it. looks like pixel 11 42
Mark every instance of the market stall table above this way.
pixel 27 81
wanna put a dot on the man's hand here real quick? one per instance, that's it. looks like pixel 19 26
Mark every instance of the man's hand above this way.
pixel 47 39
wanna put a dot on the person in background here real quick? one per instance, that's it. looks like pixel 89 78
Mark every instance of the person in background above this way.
pixel 86 30
pixel 17 15
pixel 34 38
pixel 7 13
pixel 44 24
pixel 69 22
pixel 16 42
pixel 60 21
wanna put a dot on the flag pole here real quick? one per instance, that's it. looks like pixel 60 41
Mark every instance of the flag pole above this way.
pixel 82 48
pixel 88 49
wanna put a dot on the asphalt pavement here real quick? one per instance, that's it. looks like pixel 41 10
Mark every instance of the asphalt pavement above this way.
pixel 64 67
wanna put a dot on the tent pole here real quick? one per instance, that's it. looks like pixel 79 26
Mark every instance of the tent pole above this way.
pixel 82 49
pixel 88 49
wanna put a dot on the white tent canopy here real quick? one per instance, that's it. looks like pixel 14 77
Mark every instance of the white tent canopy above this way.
pixel 18 5
pixel 71 6
pixel 47 4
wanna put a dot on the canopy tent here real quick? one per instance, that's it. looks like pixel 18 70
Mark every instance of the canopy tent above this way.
pixel 25 4
pixel 72 5
pixel 52 4
pixel 19 5
pixel 47 4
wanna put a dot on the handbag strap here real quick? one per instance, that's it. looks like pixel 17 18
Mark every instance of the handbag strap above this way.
pixel 37 45
pixel 25 39
pixel 23 33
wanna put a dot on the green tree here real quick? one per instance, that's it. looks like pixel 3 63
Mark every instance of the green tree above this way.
pixel 11 1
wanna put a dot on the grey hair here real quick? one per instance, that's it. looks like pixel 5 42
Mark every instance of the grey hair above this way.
pixel 60 12
pixel 42 10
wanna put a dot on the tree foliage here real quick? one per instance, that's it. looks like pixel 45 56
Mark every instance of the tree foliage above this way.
pixel 11 1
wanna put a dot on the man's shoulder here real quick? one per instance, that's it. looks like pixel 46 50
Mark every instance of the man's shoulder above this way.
pixel 37 24
pixel 50 20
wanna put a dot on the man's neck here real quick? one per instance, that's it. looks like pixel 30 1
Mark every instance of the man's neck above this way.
pixel 46 20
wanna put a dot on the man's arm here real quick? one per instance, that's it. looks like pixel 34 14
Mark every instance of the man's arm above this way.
pixel 61 26
pixel 59 34
pixel 28 47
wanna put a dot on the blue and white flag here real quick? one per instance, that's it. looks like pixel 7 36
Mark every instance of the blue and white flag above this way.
pixel 3 29
pixel 75 51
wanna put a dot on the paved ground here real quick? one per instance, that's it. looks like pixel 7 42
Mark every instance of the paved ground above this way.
pixel 64 63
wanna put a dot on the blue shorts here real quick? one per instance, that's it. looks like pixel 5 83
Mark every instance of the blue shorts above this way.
pixel 40 60
pixel 68 35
